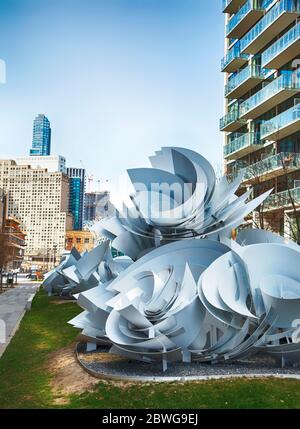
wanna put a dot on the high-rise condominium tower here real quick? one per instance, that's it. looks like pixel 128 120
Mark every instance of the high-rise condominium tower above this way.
pixel 262 107
pixel 41 140
pixel 77 191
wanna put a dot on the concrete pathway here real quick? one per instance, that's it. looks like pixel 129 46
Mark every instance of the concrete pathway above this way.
pixel 12 309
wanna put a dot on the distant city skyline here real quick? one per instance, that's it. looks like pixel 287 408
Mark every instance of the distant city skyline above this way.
pixel 118 79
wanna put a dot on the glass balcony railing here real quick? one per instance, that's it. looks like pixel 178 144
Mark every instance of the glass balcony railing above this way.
pixel 288 80
pixel 269 18
pixel 264 4
pixel 282 44
pixel 231 117
pixel 241 142
pixel 249 6
pixel 232 6
pixel 255 72
pixel 233 54
pixel 280 121
pixel 282 199
pixel 236 169
pixel 240 15
pixel 283 160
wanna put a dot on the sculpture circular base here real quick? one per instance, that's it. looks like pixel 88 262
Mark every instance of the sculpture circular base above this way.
pixel 102 364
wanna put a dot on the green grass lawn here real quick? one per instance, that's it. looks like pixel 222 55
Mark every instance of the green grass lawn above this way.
pixel 26 382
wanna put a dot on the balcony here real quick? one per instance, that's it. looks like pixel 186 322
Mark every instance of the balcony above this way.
pixel 244 19
pixel 283 125
pixel 234 59
pixel 232 6
pixel 271 95
pixel 271 167
pixel 242 146
pixel 283 200
pixel 245 80
pixel 279 17
pixel 284 50
pixel 231 121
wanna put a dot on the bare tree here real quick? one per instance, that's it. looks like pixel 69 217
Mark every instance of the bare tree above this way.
pixel 254 179
pixel 6 254
pixel 294 220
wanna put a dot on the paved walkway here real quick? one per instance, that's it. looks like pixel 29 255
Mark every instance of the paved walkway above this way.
pixel 12 308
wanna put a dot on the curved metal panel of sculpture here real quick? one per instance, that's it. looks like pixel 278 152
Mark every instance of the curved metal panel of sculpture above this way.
pixel 176 199
pixel 77 273
pixel 185 291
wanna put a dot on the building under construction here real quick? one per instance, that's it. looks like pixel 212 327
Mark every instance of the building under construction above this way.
pixel 10 228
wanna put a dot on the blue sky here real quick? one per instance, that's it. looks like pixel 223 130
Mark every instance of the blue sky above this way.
pixel 118 79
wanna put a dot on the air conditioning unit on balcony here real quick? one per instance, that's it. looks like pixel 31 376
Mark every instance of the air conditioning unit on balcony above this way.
pixel 297 184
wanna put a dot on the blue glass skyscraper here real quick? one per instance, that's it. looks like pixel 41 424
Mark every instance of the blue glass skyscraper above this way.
pixel 41 140
pixel 76 195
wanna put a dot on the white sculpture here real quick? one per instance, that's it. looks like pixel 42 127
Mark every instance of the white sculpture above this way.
pixel 176 199
pixel 77 273
pixel 187 291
